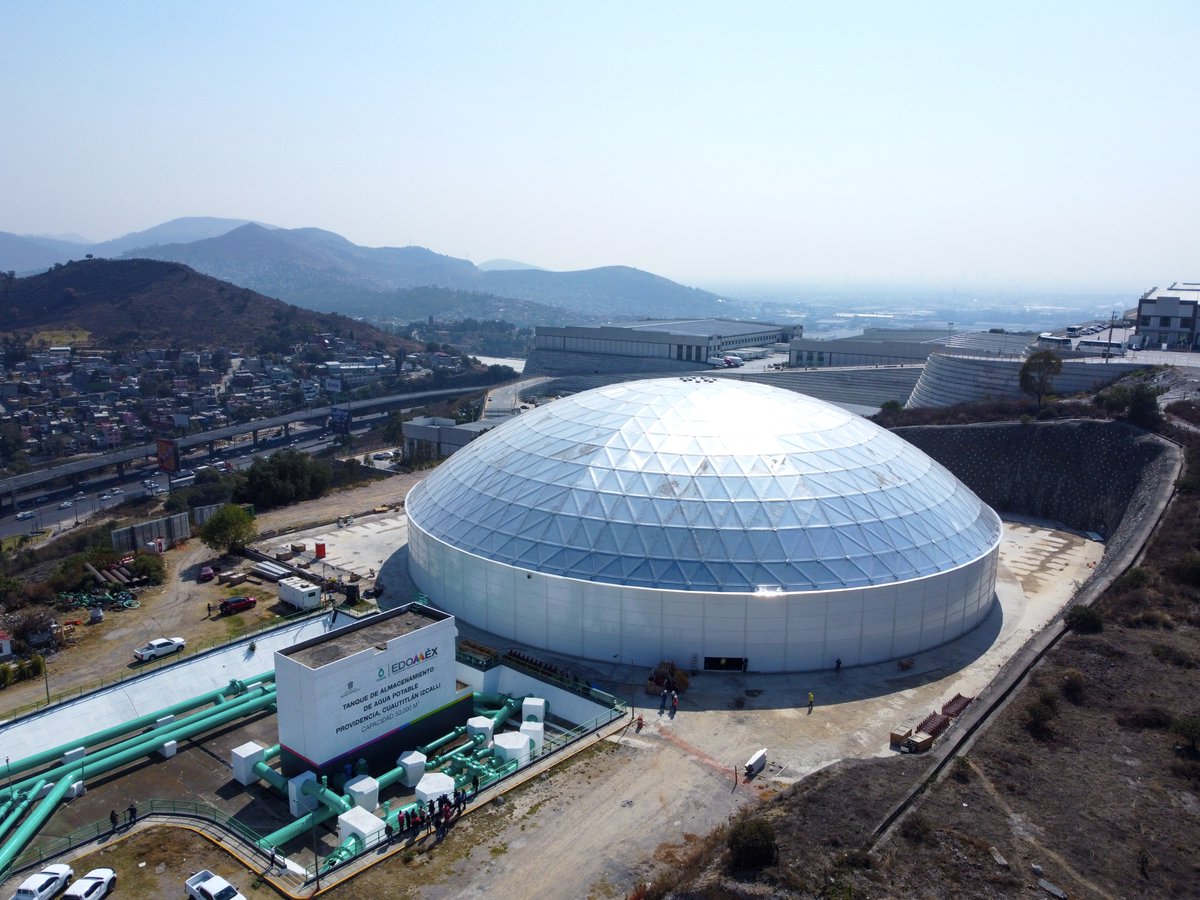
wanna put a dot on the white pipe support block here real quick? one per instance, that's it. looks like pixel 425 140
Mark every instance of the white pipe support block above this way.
pixel 243 759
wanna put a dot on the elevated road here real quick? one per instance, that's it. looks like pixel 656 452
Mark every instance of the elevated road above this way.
pixel 79 469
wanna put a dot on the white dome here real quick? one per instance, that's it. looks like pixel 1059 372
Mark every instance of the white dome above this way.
pixel 704 484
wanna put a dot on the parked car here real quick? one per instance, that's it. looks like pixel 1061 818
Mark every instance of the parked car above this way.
pixel 160 647
pixel 205 885
pixel 92 886
pixel 45 884
pixel 206 574
pixel 238 604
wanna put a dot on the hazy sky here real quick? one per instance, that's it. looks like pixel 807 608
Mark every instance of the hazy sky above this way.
pixel 1035 143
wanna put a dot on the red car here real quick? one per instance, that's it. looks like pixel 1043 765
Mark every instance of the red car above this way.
pixel 206 574
pixel 238 604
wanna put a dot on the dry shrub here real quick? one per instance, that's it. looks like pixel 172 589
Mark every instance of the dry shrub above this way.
pixel 1073 684
pixel 751 844
pixel 1145 717
pixel 1150 618
pixel 1174 656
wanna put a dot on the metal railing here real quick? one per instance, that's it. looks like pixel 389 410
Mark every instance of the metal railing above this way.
pixel 189 809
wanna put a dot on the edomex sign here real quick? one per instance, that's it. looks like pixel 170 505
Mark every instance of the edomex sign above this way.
pixel 358 699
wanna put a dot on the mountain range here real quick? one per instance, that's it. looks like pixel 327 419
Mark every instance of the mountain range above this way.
pixel 321 270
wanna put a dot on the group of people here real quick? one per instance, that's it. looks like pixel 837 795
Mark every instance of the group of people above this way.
pixel 434 816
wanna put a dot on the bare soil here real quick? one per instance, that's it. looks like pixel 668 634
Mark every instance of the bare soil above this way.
pixel 184 607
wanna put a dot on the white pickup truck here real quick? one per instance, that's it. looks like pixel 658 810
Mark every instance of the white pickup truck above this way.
pixel 205 885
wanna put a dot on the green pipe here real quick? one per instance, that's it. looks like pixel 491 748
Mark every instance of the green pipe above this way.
pixel 271 777
pixel 160 735
pixel 132 750
pixel 502 715
pixel 345 850
pixel 15 815
pixel 443 740
pixel 34 822
pixel 474 741
pixel 103 737
pixel 320 790
pixel 282 835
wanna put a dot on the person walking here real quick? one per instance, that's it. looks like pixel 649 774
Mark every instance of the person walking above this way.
pixel 131 813
pixel 475 785
pixel 662 703
pixel 674 703
pixel 208 606
pixel 115 819
pixel 837 666
pixel 810 701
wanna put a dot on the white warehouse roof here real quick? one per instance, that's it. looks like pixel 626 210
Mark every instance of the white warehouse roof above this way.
pixel 704 484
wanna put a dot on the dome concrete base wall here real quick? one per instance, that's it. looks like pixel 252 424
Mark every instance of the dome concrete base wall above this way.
pixel 776 632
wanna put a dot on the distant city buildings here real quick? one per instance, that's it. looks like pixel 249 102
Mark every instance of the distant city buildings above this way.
pixel 60 401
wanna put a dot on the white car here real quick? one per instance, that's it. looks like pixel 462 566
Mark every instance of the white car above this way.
pixel 160 647
pixel 117 491
pixel 45 884
pixel 95 884
pixel 106 496
pixel 66 504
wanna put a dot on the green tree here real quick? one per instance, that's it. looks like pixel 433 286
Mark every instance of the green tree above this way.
pixel 1143 406
pixel 1038 373
pixel 230 527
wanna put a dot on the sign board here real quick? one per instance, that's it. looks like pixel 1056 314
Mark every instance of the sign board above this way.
pixel 168 454
pixel 339 419
pixel 338 706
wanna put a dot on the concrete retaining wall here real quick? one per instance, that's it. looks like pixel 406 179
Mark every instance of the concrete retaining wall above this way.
pixel 1088 475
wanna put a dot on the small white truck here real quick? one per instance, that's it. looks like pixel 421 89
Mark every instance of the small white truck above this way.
pixel 206 885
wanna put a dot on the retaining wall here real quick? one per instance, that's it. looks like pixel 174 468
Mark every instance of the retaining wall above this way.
pixel 1088 475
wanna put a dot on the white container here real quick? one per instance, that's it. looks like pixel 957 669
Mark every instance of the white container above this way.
pixel 481 725
pixel 512 745
pixel 414 767
pixel 356 822
pixel 536 732
pixel 364 792
pixel 533 709
pixel 243 760
pixel 434 785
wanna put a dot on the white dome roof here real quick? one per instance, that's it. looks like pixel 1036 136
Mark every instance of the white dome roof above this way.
pixel 708 484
